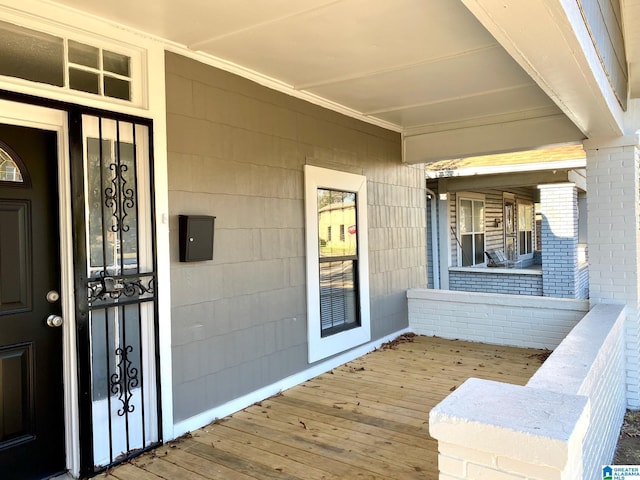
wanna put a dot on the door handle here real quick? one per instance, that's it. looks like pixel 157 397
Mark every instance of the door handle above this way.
pixel 54 320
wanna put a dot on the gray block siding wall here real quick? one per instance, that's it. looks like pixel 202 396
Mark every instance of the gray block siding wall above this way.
pixel 237 151
pixel 493 282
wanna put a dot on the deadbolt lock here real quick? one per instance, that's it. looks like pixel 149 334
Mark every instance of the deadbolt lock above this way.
pixel 52 296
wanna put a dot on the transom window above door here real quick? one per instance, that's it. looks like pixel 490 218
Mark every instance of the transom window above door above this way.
pixel 110 72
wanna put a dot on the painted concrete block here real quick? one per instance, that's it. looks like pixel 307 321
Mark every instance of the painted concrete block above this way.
pixel 528 425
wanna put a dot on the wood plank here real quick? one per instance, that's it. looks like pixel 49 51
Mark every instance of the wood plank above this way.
pixel 430 389
pixel 269 440
pixel 235 462
pixel 128 471
pixel 361 458
pixel 431 368
pixel 369 379
pixel 407 361
pixel 413 377
pixel 341 400
pixel 446 377
pixel 358 417
pixel 416 351
pixel 365 419
pixel 427 366
pixel 410 402
pixel 335 427
pixel 164 469
pixel 306 410
pixel 327 454
pixel 270 458
pixel 402 421
pixel 194 463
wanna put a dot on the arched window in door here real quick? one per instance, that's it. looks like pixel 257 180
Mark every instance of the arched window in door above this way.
pixel 12 170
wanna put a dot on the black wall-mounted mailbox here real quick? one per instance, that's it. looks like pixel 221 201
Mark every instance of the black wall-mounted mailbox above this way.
pixel 196 238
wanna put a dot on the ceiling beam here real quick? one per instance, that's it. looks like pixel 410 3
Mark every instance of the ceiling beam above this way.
pixel 507 180
pixel 502 137
pixel 579 177
pixel 550 40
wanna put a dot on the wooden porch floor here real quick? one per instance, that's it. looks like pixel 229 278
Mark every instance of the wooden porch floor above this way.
pixel 367 419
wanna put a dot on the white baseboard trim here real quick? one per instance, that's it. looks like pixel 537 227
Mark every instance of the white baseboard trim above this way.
pixel 202 419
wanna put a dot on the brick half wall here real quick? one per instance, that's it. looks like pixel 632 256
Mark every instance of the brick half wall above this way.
pixel 563 424
pixel 488 280
pixel 535 322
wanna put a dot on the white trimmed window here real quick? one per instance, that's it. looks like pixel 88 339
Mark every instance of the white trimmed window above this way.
pixel 525 229
pixel 337 265
pixel 471 241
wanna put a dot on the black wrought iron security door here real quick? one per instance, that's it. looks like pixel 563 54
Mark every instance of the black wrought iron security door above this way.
pixel 116 305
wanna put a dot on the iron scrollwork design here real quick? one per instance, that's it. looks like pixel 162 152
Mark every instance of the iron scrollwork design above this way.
pixel 114 288
pixel 119 197
pixel 124 380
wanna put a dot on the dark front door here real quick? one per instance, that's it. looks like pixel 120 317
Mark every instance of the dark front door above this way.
pixel 31 389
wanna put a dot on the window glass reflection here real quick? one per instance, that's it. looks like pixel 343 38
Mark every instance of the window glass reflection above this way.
pixel 337 229
pixel 9 171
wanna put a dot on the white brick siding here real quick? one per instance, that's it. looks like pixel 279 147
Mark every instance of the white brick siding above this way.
pixel 515 320
pixel 562 425
pixel 590 362
pixel 614 239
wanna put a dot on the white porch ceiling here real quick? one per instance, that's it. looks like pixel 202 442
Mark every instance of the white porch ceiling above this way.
pixel 423 67
pixel 406 62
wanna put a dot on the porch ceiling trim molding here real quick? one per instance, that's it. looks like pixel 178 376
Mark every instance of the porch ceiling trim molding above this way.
pixel 274 84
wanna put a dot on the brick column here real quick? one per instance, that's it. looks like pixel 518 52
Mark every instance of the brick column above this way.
pixel 614 240
pixel 559 207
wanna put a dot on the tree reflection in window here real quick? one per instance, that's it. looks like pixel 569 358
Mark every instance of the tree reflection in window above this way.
pixel 338 261
pixel 9 170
